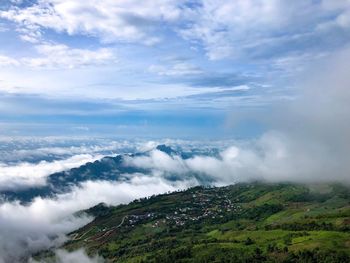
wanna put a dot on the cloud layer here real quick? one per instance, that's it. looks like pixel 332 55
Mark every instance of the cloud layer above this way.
pixel 157 57
pixel 307 140
pixel 254 27
pixel 44 223
pixel 80 256
pixel 229 54
pixel 126 20
pixel 24 175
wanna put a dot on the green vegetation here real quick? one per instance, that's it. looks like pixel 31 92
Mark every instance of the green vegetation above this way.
pixel 253 222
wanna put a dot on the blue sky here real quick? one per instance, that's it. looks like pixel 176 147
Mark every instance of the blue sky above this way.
pixel 158 67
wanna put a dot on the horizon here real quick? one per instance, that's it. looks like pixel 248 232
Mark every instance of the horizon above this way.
pixel 125 68
pixel 239 90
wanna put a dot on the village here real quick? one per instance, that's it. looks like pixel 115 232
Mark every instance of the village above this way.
pixel 201 205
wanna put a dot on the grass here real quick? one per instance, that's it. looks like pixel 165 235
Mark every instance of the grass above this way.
pixel 266 222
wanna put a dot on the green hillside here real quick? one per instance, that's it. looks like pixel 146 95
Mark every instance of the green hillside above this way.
pixel 254 222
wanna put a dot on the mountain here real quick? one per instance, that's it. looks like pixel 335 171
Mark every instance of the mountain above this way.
pixel 108 168
pixel 166 149
pixel 246 222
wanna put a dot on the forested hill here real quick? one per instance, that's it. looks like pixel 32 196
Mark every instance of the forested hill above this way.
pixel 255 222
pixel 110 168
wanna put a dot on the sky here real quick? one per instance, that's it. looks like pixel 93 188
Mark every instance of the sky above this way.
pixel 263 84
pixel 158 68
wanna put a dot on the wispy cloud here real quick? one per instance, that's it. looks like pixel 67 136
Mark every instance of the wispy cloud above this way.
pixel 242 28
pixel 164 54
pixel 110 21
pixel 61 56
pixel 177 69
pixel 306 140
pixel 8 61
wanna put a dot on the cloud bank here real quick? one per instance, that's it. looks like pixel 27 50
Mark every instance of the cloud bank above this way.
pixel 26 174
pixel 44 223
pixel 110 21
pixel 256 28
pixel 307 142
pixel 62 256
pixel 307 139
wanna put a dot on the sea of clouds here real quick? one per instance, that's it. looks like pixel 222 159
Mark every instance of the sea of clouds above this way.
pixel 307 141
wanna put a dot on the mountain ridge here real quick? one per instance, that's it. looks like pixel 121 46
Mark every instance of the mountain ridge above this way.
pixel 255 222
pixel 109 168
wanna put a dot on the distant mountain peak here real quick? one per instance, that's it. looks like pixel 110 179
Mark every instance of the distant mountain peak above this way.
pixel 166 149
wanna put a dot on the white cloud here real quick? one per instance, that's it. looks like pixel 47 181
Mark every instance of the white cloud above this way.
pixel 61 56
pixel 29 174
pixel 232 166
pixel 274 157
pixel 54 56
pixel 307 140
pixel 225 27
pixel 158 160
pixel 238 28
pixel 89 84
pixel 29 229
pixel 8 61
pixel 123 20
pixel 296 63
pixel 43 223
pixel 63 256
pixel 341 19
pixel 177 69
pixel 16 150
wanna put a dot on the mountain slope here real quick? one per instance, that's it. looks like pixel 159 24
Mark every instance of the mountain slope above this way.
pixel 254 222
pixel 108 168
